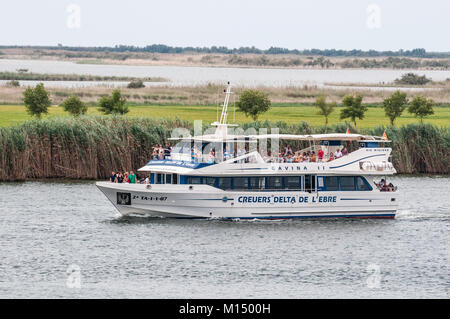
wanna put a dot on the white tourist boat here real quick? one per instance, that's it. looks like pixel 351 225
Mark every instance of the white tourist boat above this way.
pixel 242 182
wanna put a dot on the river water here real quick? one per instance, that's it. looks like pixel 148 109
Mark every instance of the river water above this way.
pixel 179 75
pixel 65 240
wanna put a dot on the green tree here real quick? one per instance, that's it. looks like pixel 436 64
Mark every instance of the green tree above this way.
pixel 253 103
pixel 353 108
pixel 37 100
pixel 420 106
pixel 325 108
pixel 114 104
pixel 395 105
pixel 74 106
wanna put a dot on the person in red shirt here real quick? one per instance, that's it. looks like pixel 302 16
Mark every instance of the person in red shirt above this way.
pixel 320 155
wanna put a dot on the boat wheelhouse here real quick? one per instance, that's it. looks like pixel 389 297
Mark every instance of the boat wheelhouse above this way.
pixel 231 175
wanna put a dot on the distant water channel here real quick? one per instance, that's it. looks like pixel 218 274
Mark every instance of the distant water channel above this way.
pixel 64 239
pixel 178 75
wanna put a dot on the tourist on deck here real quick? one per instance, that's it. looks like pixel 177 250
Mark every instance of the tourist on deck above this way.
pixel 126 179
pixel 331 157
pixel 119 178
pixel 112 177
pixel 167 151
pixel 211 156
pixel 290 158
pixel 161 153
pixel 337 154
pixel 313 156
pixel 320 155
pixel 155 153
pixel 226 154
pixel 132 177
pixel 147 180
pixel 344 151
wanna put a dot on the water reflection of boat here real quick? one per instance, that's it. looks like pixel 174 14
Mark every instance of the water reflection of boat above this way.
pixel 240 182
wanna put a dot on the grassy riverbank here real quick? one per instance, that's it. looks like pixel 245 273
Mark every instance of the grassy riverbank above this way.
pixel 91 146
pixel 270 59
pixel 290 113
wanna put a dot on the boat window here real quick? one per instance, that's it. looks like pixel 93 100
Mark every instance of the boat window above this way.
pixel 347 183
pixel 293 182
pixel 331 183
pixel 274 182
pixel 175 179
pixel 240 183
pixel 211 181
pixel 224 182
pixel 159 179
pixel 362 184
pixel 257 182
pixel 168 178
pixel 194 180
pixel 310 183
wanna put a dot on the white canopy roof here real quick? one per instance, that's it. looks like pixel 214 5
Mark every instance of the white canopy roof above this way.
pixel 311 137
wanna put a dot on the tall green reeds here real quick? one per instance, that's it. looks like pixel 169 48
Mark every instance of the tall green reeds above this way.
pixel 91 147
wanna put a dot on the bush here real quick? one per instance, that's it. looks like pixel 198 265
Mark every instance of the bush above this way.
pixel 136 84
pixel 114 104
pixel 13 83
pixel 74 106
pixel 412 79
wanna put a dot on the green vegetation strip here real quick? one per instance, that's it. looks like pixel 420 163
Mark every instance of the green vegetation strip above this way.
pixel 71 77
pixel 291 114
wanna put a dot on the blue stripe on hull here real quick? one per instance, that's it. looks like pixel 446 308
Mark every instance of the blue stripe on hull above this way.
pixel 362 216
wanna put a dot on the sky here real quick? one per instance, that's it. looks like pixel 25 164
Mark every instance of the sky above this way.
pixel 321 24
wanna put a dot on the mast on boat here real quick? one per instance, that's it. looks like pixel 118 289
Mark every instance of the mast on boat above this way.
pixel 222 124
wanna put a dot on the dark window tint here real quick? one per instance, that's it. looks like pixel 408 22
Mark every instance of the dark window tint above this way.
pixel 211 181
pixel 159 178
pixel 331 182
pixel 175 179
pixel 168 178
pixel 347 183
pixel 225 182
pixel 240 183
pixel 194 180
pixel 310 183
pixel 257 182
pixel 293 182
pixel 362 184
pixel 274 182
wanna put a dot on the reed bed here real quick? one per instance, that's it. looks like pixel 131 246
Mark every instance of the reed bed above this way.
pixel 90 147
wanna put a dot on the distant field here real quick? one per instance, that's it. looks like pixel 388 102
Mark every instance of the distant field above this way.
pixel 16 114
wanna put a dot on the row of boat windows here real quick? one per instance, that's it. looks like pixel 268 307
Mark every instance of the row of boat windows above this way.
pixel 303 183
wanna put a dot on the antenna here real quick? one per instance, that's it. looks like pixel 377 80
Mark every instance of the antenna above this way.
pixel 224 115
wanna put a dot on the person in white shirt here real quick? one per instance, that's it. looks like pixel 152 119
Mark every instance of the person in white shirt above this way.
pixel 338 153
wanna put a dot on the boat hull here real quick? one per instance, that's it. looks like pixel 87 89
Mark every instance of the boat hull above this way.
pixel 202 201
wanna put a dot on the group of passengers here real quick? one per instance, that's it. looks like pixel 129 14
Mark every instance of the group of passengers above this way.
pixel 385 187
pixel 161 152
pixel 126 177
pixel 288 156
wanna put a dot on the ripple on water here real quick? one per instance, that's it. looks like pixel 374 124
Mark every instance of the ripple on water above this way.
pixel 45 228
